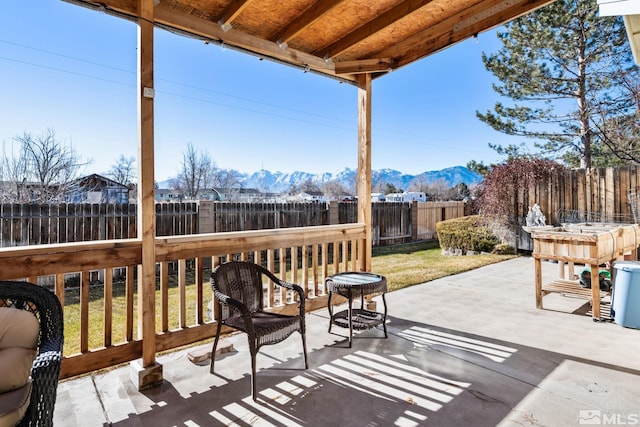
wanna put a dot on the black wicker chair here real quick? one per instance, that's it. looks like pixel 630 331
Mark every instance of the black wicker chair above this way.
pixel 238 291
pixel 46 366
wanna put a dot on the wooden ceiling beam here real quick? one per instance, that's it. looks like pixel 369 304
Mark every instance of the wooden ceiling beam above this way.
pixel 118 7
pixel 365 66
pixel 459 27
pixel 309 16
pixel 378 24
pixel 231 12
pixel 251 44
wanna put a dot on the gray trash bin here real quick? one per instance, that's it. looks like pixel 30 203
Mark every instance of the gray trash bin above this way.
pixel 625 304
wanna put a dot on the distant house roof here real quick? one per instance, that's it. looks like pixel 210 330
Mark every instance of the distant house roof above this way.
pixel 96 188
pixel 94 180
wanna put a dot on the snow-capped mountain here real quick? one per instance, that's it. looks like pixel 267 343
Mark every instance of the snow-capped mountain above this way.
pixel 281 182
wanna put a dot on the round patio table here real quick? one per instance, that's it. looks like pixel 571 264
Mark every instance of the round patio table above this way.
pixel 350 284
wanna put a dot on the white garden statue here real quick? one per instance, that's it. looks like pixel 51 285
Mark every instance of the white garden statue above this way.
pixel 535 218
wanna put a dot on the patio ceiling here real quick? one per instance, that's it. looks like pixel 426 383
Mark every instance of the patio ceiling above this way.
pixel 337 38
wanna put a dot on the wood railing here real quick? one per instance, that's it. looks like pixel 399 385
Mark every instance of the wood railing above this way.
pixel 300 255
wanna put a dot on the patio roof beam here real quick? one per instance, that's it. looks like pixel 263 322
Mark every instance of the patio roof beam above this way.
pixel 365 66
pixel 231 12
pixel 383 21
pixel 310 16
pixel 250 44
pixel 480 17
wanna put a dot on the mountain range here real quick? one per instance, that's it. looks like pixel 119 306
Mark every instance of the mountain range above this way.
pixel 277 182
pixel 280 182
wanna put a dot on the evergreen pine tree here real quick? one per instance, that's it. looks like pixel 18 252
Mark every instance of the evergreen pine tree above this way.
pixel 563 67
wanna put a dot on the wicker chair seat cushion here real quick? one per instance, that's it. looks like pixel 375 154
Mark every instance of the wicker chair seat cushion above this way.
pixel 18 328
pixel 14 404
pixel 19 334
pixel 269 328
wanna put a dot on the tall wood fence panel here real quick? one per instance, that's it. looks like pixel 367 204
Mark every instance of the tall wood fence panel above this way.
pixel 39 224
pixel 239 216
pixel 401 222
pixel 391 223
pixel 176 219
pixel 428 214
pixel 574 196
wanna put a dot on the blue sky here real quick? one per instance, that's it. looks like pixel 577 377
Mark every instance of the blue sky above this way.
pixel 73 70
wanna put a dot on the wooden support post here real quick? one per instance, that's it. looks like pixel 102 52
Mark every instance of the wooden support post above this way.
pixel 146 372
pixel 561 271
pixel 364 168
pixel 595 291
pixel 538 279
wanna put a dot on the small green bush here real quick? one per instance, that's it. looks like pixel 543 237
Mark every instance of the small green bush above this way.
pixel 468 233
pixel 504 249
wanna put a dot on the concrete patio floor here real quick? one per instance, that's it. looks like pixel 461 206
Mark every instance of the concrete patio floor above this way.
pixel 465 350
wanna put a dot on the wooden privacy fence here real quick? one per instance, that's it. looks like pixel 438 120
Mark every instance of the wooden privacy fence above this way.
pixel 40 224
pixel 33 224
pixel 238 216
pixel 583 195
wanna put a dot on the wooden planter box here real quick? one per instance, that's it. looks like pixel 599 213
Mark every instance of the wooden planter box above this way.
pixel 592 244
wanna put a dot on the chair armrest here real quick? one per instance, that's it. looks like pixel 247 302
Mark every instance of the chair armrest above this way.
pixel 244 311
pixel 291 286
pixel 44 374
pixel 297 289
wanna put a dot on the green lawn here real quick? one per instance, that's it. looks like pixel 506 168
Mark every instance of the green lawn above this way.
pixel 416 263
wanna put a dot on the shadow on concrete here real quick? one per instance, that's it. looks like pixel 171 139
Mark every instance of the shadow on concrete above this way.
pixel 421 374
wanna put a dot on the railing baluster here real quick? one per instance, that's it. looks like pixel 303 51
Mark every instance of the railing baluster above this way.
pixel 199 279
pixel 354 257
pixel 325 264
pixel 345 254
pixel 305 269
pixel 294 264
pixel 182 292
pixel 60 288
pixel 129 279
pixel 314 268
pixel 84 311
pixel 108 306
pixel 271 287
pixel 282 254
pixel 164 295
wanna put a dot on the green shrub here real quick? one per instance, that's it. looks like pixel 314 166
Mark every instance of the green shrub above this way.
pixel 504 249
pixel 468 233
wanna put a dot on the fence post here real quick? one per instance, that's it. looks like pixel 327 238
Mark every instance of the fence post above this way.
pixel 206 223
pixel 414 220
pixel 334 217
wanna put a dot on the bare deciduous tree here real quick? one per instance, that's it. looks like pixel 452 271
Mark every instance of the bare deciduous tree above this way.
pixel 334 189
pixel 439 190
pixel 419 183
pixel 230 181
pixel 40 169
pixel 197 172
pixel 123 171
